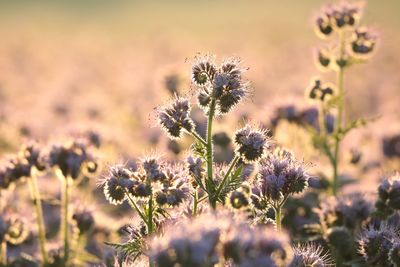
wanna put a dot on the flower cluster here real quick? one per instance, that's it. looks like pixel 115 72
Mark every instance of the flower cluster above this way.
pixel 388 196
pixel 251 144
pixel 280 175
pixel 227 240
pixel 380 246
pixel 175 118
pixel 165 181
pixel 224 85
pixel 336 17
pixel 73 158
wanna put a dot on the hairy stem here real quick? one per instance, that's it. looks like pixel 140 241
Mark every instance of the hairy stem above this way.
pixel 278 218
pixel 37 202
pixel 209 147
pixel 198 137
pixel 339 122
pixel 65 216
pixel 133 204
pixel 150 211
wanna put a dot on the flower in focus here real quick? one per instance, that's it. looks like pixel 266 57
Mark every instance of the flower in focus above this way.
pixel 251 144
pixel 175 118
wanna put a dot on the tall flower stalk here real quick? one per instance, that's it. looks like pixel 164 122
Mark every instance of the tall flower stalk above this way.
pixel 37 202
pixel 354 44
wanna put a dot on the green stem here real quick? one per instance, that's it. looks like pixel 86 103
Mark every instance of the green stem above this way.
pixel 37 202
pixel 339 122
pixel 222 184
pixel 195 202
pixel 65 216
pixel 198 137
pixel 209 147
pixel 133 204
pixel 150 211
pixel 278 218
pixel 3 253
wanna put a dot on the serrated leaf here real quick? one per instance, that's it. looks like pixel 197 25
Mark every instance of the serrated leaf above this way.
pixel 233 182
pixel 131 248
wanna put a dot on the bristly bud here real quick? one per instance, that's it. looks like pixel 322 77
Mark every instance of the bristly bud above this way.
pixel 175 118
pixel 251 144
pixel 311 255
pixel 281 175
pixel 320 91
pixel 363 42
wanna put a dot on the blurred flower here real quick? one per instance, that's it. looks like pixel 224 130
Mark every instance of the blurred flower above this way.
pixel 388 195
pixel 73 158
pixel 320 91
pixel 364 41
pixel 84 220
pixel 391 146
pixel 376 244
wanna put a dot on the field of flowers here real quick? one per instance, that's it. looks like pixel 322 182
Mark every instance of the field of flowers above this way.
pixel 211 134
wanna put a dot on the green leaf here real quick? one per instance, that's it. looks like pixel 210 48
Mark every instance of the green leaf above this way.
pixel 354 124
pixel 199 150
pixel 233 182
pixel 132 248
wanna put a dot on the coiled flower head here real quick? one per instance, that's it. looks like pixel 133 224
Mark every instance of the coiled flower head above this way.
pixel 320 91
pixel 73 158
pixel 310 255
pixel 224 84
pixel 239 199
pixel 116 184
pixel 281 175
pixel 363 42
pixel 13 228
pixel 175 118
pixel 251 143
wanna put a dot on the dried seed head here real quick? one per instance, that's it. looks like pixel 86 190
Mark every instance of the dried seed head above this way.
pixel 251 144
pixel 175 118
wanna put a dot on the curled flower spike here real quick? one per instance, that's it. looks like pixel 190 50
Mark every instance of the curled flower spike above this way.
pixel 281 175
pixel 376 244
pixel 311 255
pixel 73 158
pixel 13 229
pixel 320 91
pixel 116 183
pixel 363 42
pixel 323 58
pixel 250 143
pixel 223 84
pixel 175 118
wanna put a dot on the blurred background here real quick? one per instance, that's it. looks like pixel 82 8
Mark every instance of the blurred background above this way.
pixel 104 64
